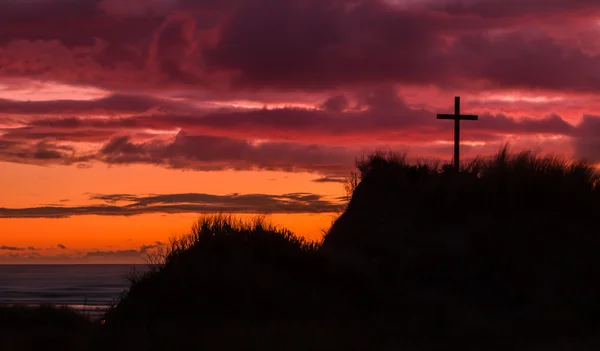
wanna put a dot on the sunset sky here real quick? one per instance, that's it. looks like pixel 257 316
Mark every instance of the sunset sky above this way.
pixel 122 121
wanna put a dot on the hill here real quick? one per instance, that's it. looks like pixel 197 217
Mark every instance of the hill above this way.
pixel 501 253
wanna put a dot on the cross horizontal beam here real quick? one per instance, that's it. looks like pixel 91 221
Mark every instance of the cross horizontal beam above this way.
pixel 460 117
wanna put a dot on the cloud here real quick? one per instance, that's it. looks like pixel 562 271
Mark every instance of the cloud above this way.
pixel 11 248
pixel 300 44
pixel 378 114
pixel 337 103
pixel 148 248
pixel 505 61
pixel 136 8
pixel 40 152
pixel 203 152
pixel 284 139
pixel 113 254
pixel 183 203
pixel 587 142
pixel 329 180
pixel 129 256
pixel 61 246
pixel 491 9
pixel 112 104
pixel 384 110
pixel 168 67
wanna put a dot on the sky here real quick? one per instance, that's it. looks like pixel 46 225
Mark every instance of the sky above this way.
pixel 123 121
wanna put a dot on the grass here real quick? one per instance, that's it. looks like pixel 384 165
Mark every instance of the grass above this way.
pixel 500 255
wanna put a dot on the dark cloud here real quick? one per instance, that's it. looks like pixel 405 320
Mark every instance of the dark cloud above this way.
pixel 323 44
pixel 148 248
pixel 329 44
pixel 491 9
pixel 329 180
pixel 587 141
pixel 41 152
pixel 113 104
pixel 183 203
pixel 30 133
pixel 202 152
pixel 299 44
pixel 11 248
pixel 501 124
pixel 55 20
pixel 61 246
pixel 336 103
pixel 507 61
pixel 112 254
pixel 125 256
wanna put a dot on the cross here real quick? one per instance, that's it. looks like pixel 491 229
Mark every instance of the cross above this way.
pixel 457 117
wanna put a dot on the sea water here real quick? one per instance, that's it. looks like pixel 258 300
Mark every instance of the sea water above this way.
pixel 87 288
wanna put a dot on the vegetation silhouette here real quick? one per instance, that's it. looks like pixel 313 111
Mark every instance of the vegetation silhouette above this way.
pixel 508 245
pixel 502 253
pixel 505 250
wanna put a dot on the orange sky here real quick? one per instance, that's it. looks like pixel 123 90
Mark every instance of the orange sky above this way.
pixel 30 185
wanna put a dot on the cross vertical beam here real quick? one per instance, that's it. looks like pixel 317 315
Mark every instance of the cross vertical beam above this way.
pixel 457 117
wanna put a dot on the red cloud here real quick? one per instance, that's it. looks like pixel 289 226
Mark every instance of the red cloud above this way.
pixel 111 105
pixel 297 44
pixel 491 9
pixel 380 115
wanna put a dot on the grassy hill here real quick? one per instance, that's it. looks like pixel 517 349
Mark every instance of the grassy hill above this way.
pixel 502 251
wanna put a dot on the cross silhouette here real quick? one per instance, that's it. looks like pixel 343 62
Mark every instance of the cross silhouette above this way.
pixel 457 117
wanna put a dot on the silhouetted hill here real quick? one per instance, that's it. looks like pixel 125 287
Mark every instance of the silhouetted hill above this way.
pixel 502 253
pixel 226 268
pixel 513 238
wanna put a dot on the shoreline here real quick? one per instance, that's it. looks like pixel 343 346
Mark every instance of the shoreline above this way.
pixel 92 311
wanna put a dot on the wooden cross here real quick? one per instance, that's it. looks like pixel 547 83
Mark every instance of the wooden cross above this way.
pixel 457 117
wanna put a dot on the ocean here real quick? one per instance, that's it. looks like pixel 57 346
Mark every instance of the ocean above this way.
pixel 86 288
